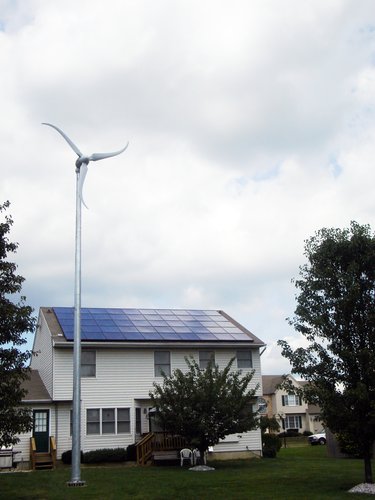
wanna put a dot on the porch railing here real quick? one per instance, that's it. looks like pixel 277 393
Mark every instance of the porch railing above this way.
pixel 164 441
pixel 157 441
pixel 32 452
pixel 43 460
pixel 144 448
pixel 52 449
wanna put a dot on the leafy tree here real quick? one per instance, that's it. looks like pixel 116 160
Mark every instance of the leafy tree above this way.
pixel 269 424
pixel 15 320
pixel 336 314
pixel 205 405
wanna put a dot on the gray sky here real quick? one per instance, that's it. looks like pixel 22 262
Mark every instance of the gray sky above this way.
pixel 251 126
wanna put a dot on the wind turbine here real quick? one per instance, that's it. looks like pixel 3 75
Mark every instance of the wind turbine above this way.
pixel 81 171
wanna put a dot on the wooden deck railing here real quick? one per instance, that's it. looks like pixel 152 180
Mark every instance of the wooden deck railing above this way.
pixel 43 460
pixel 52 450
pixel 144 448
pixel 32 452
pixel 164 441
pixel 157 441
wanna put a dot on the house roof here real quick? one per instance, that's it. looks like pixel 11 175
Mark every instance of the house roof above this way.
pixel 313 409
pixel 149 326
pixel 36 390
pixel 270 383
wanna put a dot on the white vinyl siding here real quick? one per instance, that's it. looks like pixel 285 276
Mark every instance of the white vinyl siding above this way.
pixel 43 359
pixel 123 379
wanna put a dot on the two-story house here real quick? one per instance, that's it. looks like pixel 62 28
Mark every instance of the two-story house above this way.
pixel 124 351
pixel 288 408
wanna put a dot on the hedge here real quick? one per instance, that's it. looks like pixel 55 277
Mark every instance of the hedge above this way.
pixel 97 456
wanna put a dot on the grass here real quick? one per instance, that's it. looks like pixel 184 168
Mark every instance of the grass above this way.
pixel 296 473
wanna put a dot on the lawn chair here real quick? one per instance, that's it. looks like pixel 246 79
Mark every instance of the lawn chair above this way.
pixel 186 454
pixel 197 456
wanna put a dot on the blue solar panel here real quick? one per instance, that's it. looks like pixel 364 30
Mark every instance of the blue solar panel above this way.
pixel 109 324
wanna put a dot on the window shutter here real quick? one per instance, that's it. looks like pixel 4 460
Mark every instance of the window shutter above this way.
pixel 300 422
pixel 283 422
pixel 283 400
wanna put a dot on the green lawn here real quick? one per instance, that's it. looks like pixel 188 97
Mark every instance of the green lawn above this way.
pixel 297 473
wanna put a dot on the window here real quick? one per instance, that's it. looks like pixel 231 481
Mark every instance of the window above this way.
pixel 93 421
pixel 162 363
pixel 291 400
pixel 108 421
pixel 205 357
pixel 244 359
pixel 293 422
pixel 123 420
pixel 88 363
pixel 262 405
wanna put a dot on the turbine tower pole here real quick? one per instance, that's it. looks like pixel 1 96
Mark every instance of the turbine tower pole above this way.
pixel 81 170
pixel 76 431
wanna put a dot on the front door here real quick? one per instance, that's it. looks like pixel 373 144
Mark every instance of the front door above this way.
pixel 41 430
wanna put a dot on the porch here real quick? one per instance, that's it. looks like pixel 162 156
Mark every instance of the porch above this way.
pixel 43 460
pixel 159 447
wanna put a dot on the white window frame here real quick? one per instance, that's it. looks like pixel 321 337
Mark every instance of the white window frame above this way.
pixel 293 419
pixel 122 421
pixel 91 421
pixel 88 367
pixel 291 400
pixel 244 359
pixel 115 423
pixel 205 357
pixel 162 365
pixel 262 406
pixel 108 421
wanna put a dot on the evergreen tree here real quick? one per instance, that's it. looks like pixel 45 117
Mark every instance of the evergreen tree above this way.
pixel 15 319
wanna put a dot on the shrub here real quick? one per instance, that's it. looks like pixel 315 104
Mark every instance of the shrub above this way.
pixel 131 452
pixel 269 453
pixel 66 457
pixel 105 455
pixel 307 433
pixel 271 445
pixel 348 445
pixel 289 433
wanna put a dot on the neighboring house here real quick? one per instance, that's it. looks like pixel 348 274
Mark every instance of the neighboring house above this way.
pixel 290 411
pixel 124 351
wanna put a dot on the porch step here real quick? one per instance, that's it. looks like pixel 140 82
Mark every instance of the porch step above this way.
pixel 43 461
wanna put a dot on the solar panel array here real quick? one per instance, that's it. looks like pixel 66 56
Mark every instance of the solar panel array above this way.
pixel 105 324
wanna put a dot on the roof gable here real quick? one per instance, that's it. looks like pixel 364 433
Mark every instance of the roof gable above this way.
pixel 35 388
pixel 270 383
pixel 145 325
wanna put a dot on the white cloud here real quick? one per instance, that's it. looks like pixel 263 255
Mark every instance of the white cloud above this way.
pixel 251 126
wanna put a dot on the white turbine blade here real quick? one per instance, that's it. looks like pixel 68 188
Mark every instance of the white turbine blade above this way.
pixel 71 144
pixel 101 156
pixel 82 174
